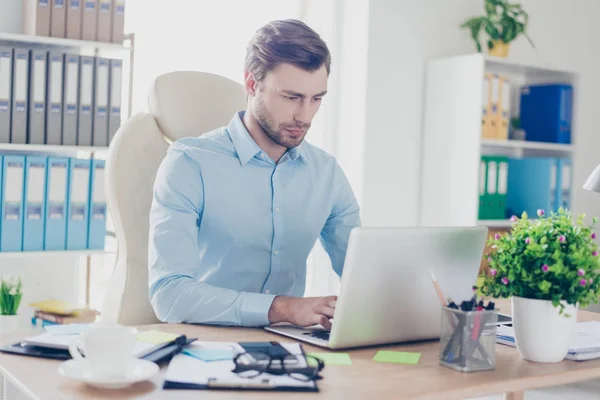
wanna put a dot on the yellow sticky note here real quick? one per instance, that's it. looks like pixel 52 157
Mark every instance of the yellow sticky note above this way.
pixel 156 337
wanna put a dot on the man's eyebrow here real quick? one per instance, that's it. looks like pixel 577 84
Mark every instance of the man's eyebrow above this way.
pixel 296 94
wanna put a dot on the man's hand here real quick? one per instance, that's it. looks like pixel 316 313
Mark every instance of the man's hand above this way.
pixel 303 311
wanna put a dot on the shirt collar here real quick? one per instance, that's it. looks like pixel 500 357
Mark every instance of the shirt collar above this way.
pixel 247 148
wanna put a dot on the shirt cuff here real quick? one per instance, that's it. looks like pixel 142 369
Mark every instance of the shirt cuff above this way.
pixel 255 309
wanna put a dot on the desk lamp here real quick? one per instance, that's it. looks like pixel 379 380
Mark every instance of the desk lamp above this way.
pixel 593 181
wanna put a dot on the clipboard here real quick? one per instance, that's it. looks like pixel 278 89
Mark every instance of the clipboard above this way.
pixel 186 372
pixel 159 353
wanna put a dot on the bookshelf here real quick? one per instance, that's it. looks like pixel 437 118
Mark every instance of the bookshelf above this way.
pixel 452 135
pixel 124 52
pixel 85 46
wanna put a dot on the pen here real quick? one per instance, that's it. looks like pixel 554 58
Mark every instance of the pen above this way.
pixel 438 289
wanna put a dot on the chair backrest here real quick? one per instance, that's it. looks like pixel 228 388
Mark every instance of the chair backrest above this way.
pixel 181 104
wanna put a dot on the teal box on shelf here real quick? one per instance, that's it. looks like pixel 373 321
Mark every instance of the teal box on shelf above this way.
pixel 536 183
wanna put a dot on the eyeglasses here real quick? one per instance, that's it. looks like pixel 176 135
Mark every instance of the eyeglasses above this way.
pixel 252 364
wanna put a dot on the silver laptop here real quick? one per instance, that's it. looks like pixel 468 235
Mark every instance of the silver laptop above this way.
pixel 387 294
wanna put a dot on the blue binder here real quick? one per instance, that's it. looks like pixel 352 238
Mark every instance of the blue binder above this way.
pixel 57 186
pixel 35 193
pixel 78 204
pixel 546 112
pixel 532 185
pixel 565 177
pixel 97 220
pixel 12 203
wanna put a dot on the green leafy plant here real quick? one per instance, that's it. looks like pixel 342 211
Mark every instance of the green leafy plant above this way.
pixel 550 258
pixel 10 295
pixel 503 22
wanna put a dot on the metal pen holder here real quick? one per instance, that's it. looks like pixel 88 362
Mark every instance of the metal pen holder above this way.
pixel 468 339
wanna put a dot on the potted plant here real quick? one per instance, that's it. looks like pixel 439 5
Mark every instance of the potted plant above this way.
pixel 503 22
pixel 549 268
pixel 10 299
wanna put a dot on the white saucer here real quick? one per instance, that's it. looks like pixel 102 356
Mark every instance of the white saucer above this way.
pixel 140 370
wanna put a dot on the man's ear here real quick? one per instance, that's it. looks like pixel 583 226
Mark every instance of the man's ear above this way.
pixel 249 83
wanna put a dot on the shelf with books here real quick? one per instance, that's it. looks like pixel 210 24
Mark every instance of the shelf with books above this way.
pixel 523 144
pixel 82 47
pixel 461 133
pixel 83 152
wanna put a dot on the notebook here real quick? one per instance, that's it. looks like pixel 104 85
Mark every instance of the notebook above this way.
pixel 186 371
pixel 585 344
pixel 49 345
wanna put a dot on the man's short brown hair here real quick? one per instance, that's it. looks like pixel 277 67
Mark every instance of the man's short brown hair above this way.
pixel 286 41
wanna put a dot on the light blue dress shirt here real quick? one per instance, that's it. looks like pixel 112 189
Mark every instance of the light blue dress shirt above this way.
pixel 230 229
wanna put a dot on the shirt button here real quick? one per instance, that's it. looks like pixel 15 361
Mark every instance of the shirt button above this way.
pixel 262 154
pixel 276 252
pixel 277 209
pixel 267 291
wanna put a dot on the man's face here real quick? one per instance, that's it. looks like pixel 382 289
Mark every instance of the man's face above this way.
pixel 286 101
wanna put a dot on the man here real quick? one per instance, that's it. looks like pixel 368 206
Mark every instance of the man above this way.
pixel 236 211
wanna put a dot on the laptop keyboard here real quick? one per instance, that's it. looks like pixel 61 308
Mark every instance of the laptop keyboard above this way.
pixel 318 334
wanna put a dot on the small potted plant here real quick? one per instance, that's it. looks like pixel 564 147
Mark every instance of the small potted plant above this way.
pixel 503 22
pixel 549 267
pixel 10 299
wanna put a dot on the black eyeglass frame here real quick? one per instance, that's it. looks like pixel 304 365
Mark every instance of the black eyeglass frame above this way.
pixel 309 373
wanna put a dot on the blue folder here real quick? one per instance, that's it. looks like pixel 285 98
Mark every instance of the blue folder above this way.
pixel 12 203
pixel 546 112
pixel 78 204
pixel 57 186
pixel 97 220
pixel 35 194
pixel 532 185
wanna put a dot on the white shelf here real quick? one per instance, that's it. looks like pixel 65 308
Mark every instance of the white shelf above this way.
pixel 70 151
pixel 21 254
pixel 495 223
pixel 60 42
pixel 523 144
pixel 523 67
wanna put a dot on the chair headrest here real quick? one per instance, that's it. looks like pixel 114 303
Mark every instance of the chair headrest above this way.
pixel 190 103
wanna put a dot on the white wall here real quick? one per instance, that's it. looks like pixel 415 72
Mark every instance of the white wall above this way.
pixel 403 34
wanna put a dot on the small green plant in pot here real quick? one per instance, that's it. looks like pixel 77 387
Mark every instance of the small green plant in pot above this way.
pixel 503 22
pixel 549 267
pixel 10 295
pixel 11 292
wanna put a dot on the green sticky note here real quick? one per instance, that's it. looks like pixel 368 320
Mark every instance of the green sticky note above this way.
pixel 333 358
pixel 156 337
pixel 397 357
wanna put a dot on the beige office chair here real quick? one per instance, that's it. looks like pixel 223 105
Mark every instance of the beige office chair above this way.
pixel 181 104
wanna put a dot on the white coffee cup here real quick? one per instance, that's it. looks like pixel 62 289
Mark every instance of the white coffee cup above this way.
pixel 108 347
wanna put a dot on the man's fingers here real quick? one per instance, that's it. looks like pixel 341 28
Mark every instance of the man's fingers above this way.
pixel 330 301
pixel 324 321
pixel 327 311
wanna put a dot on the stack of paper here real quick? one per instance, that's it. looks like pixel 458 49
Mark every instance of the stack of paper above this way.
pixel 585 344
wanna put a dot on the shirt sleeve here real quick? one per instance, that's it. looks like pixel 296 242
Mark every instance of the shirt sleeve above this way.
pixel 175 291
pixel 344 217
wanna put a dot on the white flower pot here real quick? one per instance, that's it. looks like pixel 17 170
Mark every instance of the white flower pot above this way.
pixel 10 323
pixel 541 333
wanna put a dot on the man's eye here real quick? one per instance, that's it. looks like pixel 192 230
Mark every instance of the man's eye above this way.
pixel 318 98
pixel 293 98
